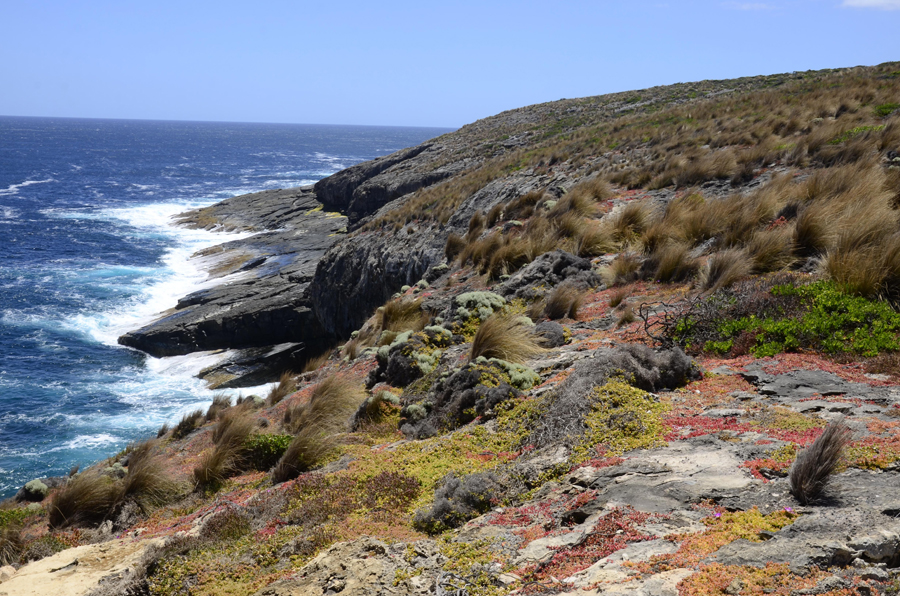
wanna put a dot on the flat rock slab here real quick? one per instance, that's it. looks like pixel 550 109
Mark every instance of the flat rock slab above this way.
pixel 364 567
pixel 76 571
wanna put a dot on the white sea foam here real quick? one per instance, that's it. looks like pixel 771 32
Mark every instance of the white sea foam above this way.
pixel 13 189
pixel 8 213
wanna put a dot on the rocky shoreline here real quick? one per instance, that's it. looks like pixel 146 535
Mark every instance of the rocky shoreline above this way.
pixel 572 361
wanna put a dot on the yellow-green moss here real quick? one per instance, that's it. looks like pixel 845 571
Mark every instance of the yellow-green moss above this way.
pixel 622 418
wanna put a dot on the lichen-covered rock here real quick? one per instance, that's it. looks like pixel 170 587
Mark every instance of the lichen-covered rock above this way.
pixel 549 270
pixel 365 567
pixel 474 390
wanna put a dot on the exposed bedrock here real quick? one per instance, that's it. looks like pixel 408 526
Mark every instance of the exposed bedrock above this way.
pixel 262 299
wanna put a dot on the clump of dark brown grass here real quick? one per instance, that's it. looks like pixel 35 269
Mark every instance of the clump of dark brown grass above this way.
pixel 317 423
pixel 187 424
pixel 564 301
pixel 476 225
pixel 163 430
pixel 493 216
pixel 220 403
pixel 814 465
pixel 505 337
pixel 287 384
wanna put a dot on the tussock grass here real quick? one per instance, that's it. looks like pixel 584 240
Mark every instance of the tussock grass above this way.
pixel 316 423
pixel 814 465
pixel 287 384
pixel 493 216
pixel 476 225
pixel 226 458
pixel 11 543
pixel 401 315
pixel 352 349
pixel 673 262
pixel 625 268
pixel 86 499
pixel 771 250
pixel 630 221
pixel 617 297
pixel 592 241
pixel 723 269
pixel 316 362
pixel 505 337
pixel 188 423
pixel 146 483
pixel 454 246
pixel 564 301
pixel 626 317
pixel 220 403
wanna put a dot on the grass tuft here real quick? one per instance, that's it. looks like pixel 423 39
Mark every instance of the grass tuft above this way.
pixel 317 423
pixel 505 337
pixel 88 498
pixel 187 425
pixel 286 385
pixel 723 269
pixel 402 315
pixel 814 465
pixel 564 301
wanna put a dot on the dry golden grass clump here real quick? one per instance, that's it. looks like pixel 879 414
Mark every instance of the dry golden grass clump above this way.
pixel 672 262
pixel 401 315
pixel 454 246
pixel 625 268
pixel 317 423
pixel 505 337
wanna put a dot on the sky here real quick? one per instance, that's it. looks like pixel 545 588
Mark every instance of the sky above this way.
pixel 417 63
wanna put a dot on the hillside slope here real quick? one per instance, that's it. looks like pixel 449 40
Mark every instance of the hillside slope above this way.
pixel 633 344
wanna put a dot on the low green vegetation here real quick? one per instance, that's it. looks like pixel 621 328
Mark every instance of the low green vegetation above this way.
pixel 818 316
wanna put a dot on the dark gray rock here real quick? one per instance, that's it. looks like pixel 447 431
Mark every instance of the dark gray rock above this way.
pixel 552 333
pixel 254 366
pixel 549 270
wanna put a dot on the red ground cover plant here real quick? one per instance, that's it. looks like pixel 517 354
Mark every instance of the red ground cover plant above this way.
pixel 613 532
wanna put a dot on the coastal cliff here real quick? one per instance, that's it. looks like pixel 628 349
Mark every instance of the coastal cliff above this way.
pixel 637 344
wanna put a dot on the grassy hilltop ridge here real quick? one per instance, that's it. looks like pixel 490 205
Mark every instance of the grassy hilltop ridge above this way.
pixel 651 304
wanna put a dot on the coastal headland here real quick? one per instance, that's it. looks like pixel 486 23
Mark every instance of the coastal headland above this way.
pixel 641 344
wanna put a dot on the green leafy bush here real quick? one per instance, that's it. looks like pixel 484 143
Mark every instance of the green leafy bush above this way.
pixel 264 451
pixel 817 316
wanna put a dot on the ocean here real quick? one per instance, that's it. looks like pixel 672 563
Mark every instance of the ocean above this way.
pixel 87 252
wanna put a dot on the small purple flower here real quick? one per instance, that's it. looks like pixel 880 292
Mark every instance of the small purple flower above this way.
pixel 718 514
pixel 788 509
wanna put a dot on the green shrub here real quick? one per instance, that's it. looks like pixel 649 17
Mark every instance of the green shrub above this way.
pixel 817 316
pixel 264 451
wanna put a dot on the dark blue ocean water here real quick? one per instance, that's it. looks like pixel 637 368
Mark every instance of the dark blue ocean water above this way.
pixel 87 253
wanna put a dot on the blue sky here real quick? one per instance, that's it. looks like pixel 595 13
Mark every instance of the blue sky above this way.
pixel 403 63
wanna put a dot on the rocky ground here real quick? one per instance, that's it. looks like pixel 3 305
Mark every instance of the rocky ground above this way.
pixel 603 449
